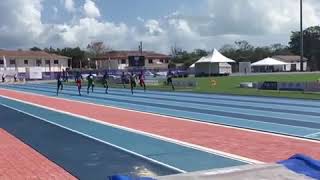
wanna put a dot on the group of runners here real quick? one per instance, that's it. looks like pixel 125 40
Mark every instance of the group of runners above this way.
pixel 125 79
pixel 3 78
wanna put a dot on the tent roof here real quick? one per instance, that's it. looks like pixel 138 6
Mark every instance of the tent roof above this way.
pixel 269 62
pixel 216 57
pixel 203 59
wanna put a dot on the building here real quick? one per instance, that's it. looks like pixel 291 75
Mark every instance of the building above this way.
pixel 120 60
pixel 20 61
pixel 293 62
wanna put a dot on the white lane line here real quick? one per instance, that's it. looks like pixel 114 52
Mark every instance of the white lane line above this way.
pixel 262 113
pixel 313 135
pixel 181 143
pixel 172 117
pixel 96 139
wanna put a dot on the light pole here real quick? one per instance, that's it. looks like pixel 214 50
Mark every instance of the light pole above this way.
pixel 301 37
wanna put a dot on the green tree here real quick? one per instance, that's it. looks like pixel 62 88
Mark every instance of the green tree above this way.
pixel 311 45
pixel 35 49
pixel 243 51
pixel 76 54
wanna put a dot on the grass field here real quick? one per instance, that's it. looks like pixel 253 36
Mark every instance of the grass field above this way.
pixel 231 85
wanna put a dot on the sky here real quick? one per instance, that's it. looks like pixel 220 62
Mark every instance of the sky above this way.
pixel 159 24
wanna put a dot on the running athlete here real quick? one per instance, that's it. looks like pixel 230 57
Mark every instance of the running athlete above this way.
pixel 123 80
pixel 132 81
pixel 59 84
pixel 15 78
pixel 78 82
pixel 105 82
pixel 90 79
pixel 63 75
pixel 141 81
pixel 169 79
pixel 3 78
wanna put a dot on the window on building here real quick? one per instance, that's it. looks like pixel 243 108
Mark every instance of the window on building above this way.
pixel 150 61
pixel 47 62
pixel 161 60
pixel 1 61
pixel 167 61
pixel 12 62
pixel 38 62
pixel 26 62
pixel 56 62
pixel 123 61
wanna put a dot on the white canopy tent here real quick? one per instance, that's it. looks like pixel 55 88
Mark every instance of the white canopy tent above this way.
pixel 266 63
pixel 215 63
pixel 217 57
pixel 200 60
pixel 269 62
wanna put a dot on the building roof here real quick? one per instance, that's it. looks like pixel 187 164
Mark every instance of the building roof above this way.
pixel 289 58
pixel 126 54
pixel 30 54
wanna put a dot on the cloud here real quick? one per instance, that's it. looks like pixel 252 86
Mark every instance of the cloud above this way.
pixel 153 27
pixel 55 9
pixel 140 19
pixel 69 5
pixel 20 22
pixel 220 22
pixel 91 10
pixel 256 17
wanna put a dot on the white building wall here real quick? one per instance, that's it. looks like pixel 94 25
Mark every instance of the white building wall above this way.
pixel 297 64
pixel 116 64
pixel 21 67
pixel 156 64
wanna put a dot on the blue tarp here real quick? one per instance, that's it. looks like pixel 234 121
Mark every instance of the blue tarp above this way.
pixel 303 164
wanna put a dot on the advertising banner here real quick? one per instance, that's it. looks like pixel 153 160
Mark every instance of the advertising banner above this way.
pixel 312 86
pixel 291 86
pixel 35 73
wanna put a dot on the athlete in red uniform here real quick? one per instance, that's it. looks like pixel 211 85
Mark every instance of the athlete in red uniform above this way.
pixel 141 79
pixel 78 82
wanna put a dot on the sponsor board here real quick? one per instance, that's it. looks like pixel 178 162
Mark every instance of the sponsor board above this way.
pixel 312 87
pixel 291 86
pixel 35 73
pixel 268 85
pixel 184 83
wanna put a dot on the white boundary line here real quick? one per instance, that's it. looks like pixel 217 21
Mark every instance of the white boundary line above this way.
pixel 185 144
pixel 177 118
pixel 96 139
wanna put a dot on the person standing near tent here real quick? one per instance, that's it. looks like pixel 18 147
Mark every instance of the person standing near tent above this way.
pixel 141 80
pixel 59 84
pixel 78 80
pixel 132 81
pixel 105 82
pixel 90 79
pixel 169 79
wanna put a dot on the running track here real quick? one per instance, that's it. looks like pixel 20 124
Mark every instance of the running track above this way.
pixel 224 142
